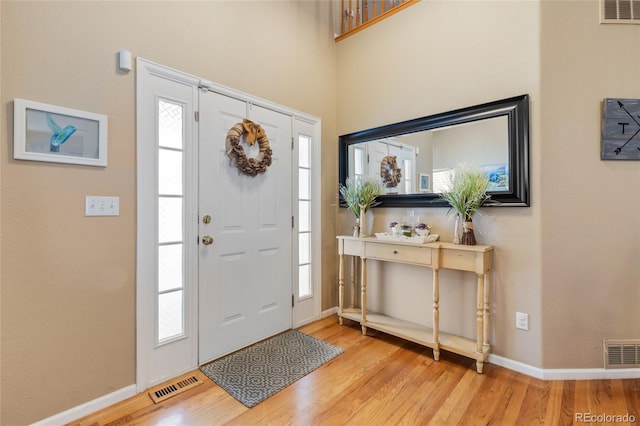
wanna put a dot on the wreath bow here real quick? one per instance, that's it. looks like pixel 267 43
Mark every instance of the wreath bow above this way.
pixel 252 131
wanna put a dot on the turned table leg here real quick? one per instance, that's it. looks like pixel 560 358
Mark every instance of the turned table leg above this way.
pixel 486 345
pixel 479 322
pixel 436 314
pixel 363 301
pixel 340 288
pixel 353 281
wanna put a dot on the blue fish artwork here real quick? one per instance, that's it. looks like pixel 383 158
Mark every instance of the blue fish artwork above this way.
pixel 59 135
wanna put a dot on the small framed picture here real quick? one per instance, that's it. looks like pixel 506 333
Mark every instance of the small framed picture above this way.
pixel 425 183
pixel 498 175
pixel 56 134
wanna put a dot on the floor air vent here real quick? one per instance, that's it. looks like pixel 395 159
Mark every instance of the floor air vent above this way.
pixel 620 11
pixel 173 389
pixel 622 354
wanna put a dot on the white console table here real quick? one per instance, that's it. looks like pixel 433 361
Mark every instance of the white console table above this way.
pixel 438 255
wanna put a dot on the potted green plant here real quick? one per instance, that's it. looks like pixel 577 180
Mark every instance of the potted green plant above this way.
pixel 467 193
pixel 358 195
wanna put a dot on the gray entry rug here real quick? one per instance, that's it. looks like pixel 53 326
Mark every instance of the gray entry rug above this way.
pixel 257 372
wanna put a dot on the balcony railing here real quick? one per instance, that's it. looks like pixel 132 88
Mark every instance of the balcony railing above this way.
pixel 360 14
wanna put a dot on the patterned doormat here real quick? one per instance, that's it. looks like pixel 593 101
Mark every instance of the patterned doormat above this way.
pixel 257 372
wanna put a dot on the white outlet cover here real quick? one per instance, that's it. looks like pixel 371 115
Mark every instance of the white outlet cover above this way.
pixel 522 321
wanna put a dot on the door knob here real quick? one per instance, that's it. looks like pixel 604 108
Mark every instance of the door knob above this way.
pixel 207 240
pixel 206 219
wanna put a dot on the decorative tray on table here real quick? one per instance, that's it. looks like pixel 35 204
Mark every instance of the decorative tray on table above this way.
pixel 417 239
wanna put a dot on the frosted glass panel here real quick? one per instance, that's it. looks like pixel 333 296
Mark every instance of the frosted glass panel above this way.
pixel 304 249
pixel 304 281
pixel 303 184
pixel 170 267
pixel 170 322
pixel 169 172
pixel 303 151
pixel 304 217
pixel 170 131
pixel 169 219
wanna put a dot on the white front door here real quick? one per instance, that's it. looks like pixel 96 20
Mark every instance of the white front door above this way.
pixel 246 275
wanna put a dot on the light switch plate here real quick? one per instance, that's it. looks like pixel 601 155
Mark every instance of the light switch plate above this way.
pixel 101 206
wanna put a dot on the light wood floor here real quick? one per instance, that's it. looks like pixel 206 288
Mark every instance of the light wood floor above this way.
pixel 381 380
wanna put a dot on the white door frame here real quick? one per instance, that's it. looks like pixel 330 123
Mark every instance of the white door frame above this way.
pixel 146 233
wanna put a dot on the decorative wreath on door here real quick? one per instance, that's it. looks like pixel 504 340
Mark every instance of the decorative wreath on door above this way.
pixel 252 133
pixel 390 172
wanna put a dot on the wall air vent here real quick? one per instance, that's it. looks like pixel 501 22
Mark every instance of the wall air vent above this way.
pixel 620 11
pixel 622 354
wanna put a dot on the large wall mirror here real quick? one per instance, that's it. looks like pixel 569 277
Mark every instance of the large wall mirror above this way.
pixel 415 158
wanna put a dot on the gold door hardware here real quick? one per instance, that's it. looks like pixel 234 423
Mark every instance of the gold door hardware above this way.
pixel 207 240
pixel 206 219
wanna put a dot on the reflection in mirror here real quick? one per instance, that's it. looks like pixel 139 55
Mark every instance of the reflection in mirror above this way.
pixel 422 162
pixel 415 159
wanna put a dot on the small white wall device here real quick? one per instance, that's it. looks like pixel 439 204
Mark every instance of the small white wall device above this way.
pixel 124 60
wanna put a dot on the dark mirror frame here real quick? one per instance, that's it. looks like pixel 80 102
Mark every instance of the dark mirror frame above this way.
pixel 517 111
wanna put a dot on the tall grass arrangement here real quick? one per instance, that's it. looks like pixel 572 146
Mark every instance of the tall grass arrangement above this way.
pixel 466 195
pixel 360 192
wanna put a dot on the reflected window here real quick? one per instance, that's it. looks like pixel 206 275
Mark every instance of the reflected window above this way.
pixel 358 161
pixel 407 174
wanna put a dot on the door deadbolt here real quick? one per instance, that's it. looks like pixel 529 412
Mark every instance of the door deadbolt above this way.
pixel 206 219
pixel 207 240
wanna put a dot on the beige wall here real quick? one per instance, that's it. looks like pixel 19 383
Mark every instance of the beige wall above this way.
pixel 570 260
pixel 68 282
pixel 590 208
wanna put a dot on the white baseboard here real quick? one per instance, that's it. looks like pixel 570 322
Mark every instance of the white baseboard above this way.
pixel 88 407
pixel 329 312
pixel 518 366
pixel 565 373
pixel 591 373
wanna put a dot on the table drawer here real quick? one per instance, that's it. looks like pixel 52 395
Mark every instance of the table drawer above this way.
pixel 352 247
pixel 399 253
pixel 460 260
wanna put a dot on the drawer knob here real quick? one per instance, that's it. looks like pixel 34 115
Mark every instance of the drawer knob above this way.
pixel 395 252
